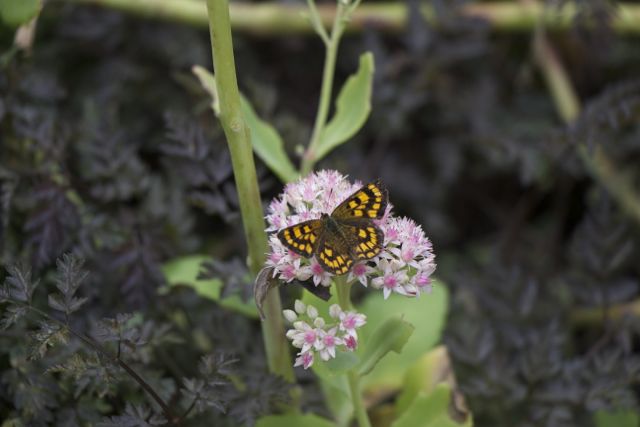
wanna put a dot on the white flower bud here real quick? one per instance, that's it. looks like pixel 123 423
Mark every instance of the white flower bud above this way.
pixel 334 311
pixel 300 307
pixel 290 315
pixel 318 322
pixel 312 312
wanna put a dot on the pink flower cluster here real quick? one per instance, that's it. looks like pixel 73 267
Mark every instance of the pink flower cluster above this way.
pixel 404 266
pixel 319 336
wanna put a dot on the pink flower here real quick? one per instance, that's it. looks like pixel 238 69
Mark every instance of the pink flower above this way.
pixel 303 336
pixel 393 279
pixel 360 271
pixel 320 276
pixel 405 245
pixel 349 320
pixel 329 342
pixel 351 343
pixel 304 359
pixel 323 337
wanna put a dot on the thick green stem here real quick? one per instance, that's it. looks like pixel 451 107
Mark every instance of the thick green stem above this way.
pixel 309 157
pixel 271 18
pixel 343 291
pixel 244 171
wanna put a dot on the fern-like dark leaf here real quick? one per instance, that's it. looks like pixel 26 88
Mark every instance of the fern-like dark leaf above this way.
pixel 19 284
pixel 134 416
pixel 70 277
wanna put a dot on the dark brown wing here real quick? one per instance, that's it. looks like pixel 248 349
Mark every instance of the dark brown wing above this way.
pixel 302 238
pixel 370 201
pixel 334 254
pixel 363 236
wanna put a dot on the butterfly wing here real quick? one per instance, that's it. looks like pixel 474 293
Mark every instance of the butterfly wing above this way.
pixel 302 238
pixel 334 254
pixel 370 202
pixel 363 236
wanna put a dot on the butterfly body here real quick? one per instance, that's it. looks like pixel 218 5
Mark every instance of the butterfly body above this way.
pixel 347 235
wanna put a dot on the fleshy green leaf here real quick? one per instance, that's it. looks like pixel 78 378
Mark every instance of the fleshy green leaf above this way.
pixel 17 12
pixel 426 313
pixel 183 271
pixel 265 140
pixel 617 419
pixel 430 370
pixel 307 420
pixel 337 366
pixel 431 411
pixel 392 335
pixel 352 108
pixel 267 144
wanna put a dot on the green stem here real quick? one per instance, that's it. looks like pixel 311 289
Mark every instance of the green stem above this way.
pixel 343 290
pixel 309 158
pixel 582 317
pixel 271 18
pixel 356 399
pixel 568 107
pixel 244 171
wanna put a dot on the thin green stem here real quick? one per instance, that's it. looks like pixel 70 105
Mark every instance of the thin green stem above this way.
pixel 343 290
pixel 309 157
pixel 316 21
pixel 568 106
pixel 356 399
pixel 244 171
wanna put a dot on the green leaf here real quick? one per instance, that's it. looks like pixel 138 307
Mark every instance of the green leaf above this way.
pixel 183 271
pixel 17 12
pixel 208 83
pixel 392 335
pixel 431 411
pixel 352 108
pixel 427 314
pixel 425 374
pixel 340 364
pixel 265 140
pixel 338 399
pixel 307 420
pixel 268 144
pixel 617 419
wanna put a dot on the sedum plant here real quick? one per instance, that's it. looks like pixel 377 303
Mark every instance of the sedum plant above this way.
pixel 398 260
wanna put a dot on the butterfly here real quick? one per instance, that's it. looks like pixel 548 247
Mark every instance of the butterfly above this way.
pixel 344 237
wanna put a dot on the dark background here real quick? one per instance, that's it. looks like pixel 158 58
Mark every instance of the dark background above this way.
pixel 108 150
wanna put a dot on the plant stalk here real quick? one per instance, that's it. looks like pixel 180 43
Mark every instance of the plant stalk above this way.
pixel 271 18
pixel 309 157
pixel 356 399
pixel 343 290
pixel 568 107
pixel 244 171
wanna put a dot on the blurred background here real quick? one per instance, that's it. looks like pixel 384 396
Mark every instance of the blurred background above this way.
pixel 514 143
